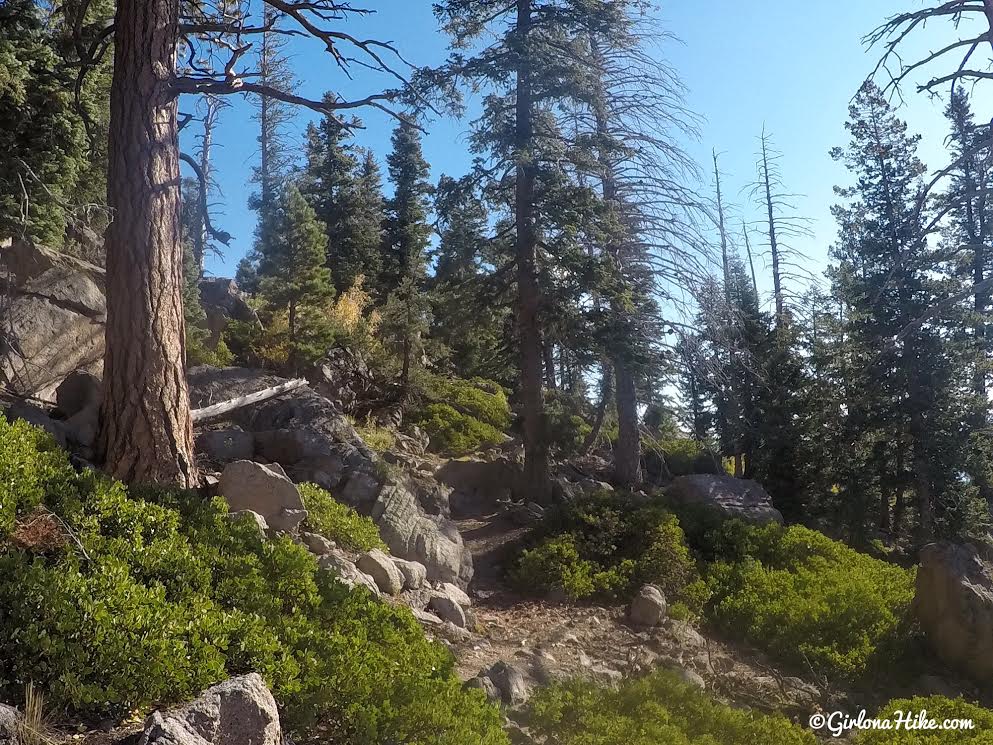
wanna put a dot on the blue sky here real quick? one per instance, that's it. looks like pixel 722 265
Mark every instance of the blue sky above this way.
pixel 792 68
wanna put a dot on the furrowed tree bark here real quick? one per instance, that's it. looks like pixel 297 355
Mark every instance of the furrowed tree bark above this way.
pixel 146 433
pixel 536 474
pixel 627 450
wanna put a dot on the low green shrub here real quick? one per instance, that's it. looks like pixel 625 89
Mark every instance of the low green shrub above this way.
pixel 939 709
pixel 609 544
pixel 478 398
pixel 339 522
pixel 654 710
pixel 461 416
pixel 155 595
pixel 555 566
pixel 453 432
pixel 807 599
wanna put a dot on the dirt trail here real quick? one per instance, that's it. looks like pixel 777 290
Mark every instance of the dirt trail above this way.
pixel 556 641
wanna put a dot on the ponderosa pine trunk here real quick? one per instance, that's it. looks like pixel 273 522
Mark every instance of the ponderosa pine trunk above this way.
pixel 146 433
pixel 536 474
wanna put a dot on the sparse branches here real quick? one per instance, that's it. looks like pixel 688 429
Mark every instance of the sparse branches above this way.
pixel 780 224
pixel 891 36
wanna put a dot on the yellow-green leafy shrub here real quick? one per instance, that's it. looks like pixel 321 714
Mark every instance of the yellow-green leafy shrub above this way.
pixel 939 709
pixel 555 566
pixel 453 432
pixel 609 544
pixel 339 522
pixel 655 710
pixel 164 595
pixel 808 599
pixel 478 398
pixel 461 416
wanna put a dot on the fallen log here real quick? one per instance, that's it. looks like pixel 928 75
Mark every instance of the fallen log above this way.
pixel 215 410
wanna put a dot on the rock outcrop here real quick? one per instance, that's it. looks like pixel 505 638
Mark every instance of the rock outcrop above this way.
pixel 313 442
pixel 726 497
pixel 342 377
pixel 954 602
pixel 478 485
pixel 52 317
pixel 240 711
pixel 223 302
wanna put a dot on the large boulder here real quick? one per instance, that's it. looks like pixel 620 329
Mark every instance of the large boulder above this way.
pixel 302 431
pixel 726 497
pixel 347 572
pixel 448 610
pixel 262 489
pixel 478 485
pixel 10 725
pixel 415 575
pixel 384 572
pixel 511 681
pixel 53 312
pixel 222 303
pixel 240 711
pixel 954 602
pixel 648 608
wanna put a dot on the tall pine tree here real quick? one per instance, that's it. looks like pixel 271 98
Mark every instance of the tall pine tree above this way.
pixel 293 277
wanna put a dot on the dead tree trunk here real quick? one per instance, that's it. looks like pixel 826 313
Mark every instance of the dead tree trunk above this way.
pixel 536 473
pixel 146 430
pixel 777 278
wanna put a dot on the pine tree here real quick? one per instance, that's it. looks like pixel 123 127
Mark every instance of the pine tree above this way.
pixel 966 241
pixel 526 56
pixel 273 117
pixel 356 251
pixel 343 184
pixel 472 320
pixel 76 27
pixel 146 432
pixel 293 278
pixel 247 276
pixel 405 249
pixel 41 140
pixel 407 229
pixel 885 278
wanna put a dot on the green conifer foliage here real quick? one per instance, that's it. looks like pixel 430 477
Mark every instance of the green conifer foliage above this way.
pixel 41 139
pixel 294 279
